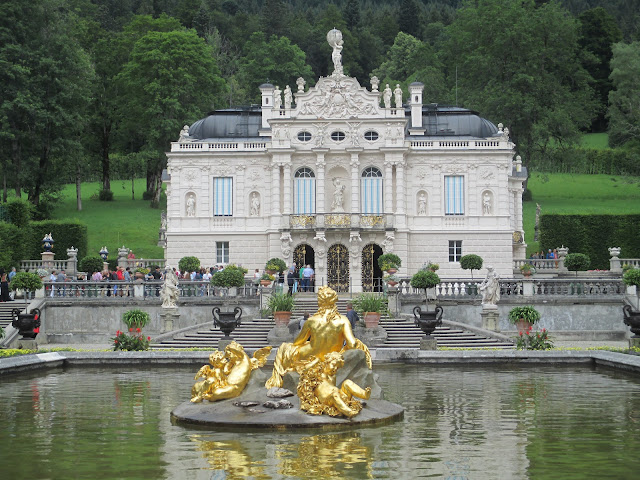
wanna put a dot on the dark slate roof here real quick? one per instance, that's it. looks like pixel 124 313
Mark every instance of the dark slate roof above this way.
pixel 244 122
pixel 442 120
pixel 231 123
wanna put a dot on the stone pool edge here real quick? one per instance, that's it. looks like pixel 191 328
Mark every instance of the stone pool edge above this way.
pixel 619 361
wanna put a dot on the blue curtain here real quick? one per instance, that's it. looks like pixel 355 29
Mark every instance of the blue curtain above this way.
pixel 371 195
pixel 223 196
pixel 304 196
pixel 454 195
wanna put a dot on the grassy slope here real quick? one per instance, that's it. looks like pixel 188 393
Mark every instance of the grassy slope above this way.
pixel 112 224
pixel 598 141
pixel 579 194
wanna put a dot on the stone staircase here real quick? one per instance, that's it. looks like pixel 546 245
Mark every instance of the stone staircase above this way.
pixel 5 311
pixel 402 333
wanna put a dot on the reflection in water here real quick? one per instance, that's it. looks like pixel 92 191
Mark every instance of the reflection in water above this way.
pixel 460 422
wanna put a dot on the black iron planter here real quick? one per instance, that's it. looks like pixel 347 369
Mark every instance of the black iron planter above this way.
pixel 632 319
pixel 428 321
pixel 226 321
pixel 26 323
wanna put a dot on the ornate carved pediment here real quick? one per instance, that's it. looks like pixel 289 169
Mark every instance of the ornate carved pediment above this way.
pixel 338 96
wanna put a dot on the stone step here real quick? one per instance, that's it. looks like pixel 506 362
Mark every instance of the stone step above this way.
pixel 5 311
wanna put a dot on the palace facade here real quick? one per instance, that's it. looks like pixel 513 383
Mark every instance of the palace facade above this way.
pixel 334 176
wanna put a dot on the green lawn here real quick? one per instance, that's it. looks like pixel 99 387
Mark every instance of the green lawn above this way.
pixel 579 194
pixel 123 221
pixel 598 141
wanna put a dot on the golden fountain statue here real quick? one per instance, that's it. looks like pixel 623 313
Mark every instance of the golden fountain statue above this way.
pixel 227 374
pixel 324 332
pixel 319 394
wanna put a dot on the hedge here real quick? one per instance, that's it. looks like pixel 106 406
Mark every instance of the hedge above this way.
pixel 66 234
pixel 590 161
pixel 13 241
pixel 592 235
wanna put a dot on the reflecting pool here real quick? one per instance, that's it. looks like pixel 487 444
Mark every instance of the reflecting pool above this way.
pixel 460 423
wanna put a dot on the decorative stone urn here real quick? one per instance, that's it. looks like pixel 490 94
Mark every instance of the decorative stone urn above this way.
pixel 372 319
pixel 428 321
pixel 26 323
pixel 226 321
pixel 632 319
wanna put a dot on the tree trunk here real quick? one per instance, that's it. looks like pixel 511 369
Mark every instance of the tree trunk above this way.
pixel 106 167
pixel 34 195
pixel 78 188
pixel 133 193
pixel 17 165
pixel 153 179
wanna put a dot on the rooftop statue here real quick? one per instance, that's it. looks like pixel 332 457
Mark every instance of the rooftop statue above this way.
pixel 334 37
pixel 227 374
pixel 324 332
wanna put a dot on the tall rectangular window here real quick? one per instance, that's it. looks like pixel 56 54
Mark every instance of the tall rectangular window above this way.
pixel 304 194
pixel 454 195
pixel 222 252
pixel 223 196
pixel 455 250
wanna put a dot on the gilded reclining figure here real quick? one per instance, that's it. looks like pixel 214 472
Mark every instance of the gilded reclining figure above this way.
pixel 228 373
pixel 324 332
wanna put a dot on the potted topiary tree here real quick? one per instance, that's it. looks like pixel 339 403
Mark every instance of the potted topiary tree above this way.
pixel 266 279
pixel 524 317
pixel 371 306
pixel 281 305
pixel 527 269
pixel 577 262
pixel 28 324
pixel 471 262
pixel 189 264
pixel 275 265
pixel 91 264
pixel 426 320
pixel 230 277
pixel 389 262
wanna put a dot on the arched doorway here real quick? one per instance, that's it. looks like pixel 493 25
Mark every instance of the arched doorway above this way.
pixel 371 272
pixel 338 268
pixel 304 255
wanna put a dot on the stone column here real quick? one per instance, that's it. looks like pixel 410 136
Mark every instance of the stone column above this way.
pixel 388 186
pixel 355 183
pixel 275 195
pixel 72 262
pixel 47 260
pixel 614 262
pixel 562 252
pixel 320 164
pixel 287 190
pixel 400 197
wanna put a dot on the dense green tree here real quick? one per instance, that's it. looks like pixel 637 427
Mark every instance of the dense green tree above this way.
pixel 275 17
pixel 519 64
pixel 275 60
pixel 171 79
pixel 409 18
pixel 352 14
pixel 598 32
pixel 624 99
pixel 44 82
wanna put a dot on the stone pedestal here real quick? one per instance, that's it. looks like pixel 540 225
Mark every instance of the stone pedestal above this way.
pixel 279 334
pixel 47 260
pixel 428 343
pixel 138 289
pixel 27 344
pixel 169 316
pixel 490 319
pixel 223 342
pixel 634 342
pixel 371 337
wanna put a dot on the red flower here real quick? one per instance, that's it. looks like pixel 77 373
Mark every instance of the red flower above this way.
pixel 138 330
pixel 520 333
pixel 528 332
pixel 149 338
pixel 131 329
pixel 544 330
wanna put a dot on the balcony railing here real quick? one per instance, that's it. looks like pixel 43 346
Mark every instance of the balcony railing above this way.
pixel 341 221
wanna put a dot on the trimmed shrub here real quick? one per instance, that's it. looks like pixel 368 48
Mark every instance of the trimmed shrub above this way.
pixel 189 264
pixel 276 264
pixel 66 234
pixel 13 241
pixel 592 235
pixel 231 276
pixel 389 260
pixel 105 196
pixel 91 264
pixel 632 277
pixel 576 262
pixel 20 211
pixel 26 281
pixel 471 262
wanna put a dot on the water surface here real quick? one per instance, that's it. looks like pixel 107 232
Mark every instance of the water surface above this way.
pixel 460 423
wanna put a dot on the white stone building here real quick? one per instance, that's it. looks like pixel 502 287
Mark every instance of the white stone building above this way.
pixel 333 177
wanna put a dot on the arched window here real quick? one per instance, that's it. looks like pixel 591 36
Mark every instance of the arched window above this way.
pixel 304 192
pixel 371 199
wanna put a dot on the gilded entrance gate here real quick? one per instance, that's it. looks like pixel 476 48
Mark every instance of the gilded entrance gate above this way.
pixel 303 255
pixel 371 273
pixel 338 268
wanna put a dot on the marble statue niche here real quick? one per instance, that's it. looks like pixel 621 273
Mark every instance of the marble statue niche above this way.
pixel 254 205
pixel 422 203
pixel 487 203
pixel 338 195
pixel 190 204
